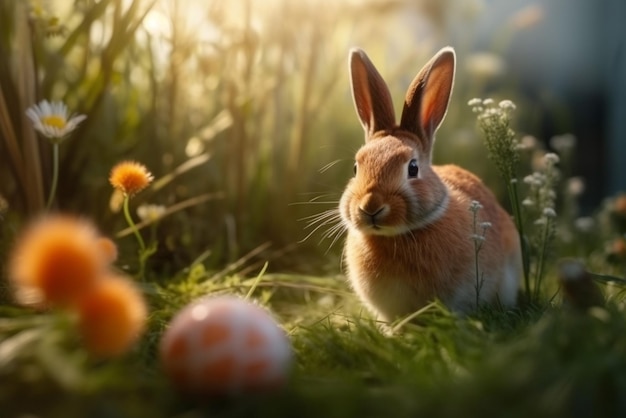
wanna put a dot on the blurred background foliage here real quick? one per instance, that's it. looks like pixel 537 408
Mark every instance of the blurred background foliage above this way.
pixel 241 106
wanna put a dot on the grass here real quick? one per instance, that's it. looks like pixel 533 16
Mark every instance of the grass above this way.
pixel 536 360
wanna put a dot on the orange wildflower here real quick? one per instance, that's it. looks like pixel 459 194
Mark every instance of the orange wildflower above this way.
pixel 112 316
pixel 56 261
pixel 130 177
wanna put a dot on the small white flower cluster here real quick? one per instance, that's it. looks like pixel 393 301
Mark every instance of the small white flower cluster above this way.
pixel 477 237
pixel 551 158
pixel 475 102
pixel 475 206
pixel 507 105
pixel 486 106
pixel 541 189
pixel 494 121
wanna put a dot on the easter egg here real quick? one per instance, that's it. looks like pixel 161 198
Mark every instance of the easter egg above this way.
pixel 225 345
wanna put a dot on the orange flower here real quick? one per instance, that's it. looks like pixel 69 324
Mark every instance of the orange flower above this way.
pixel 112 316
pixel 130 177
pixel 56 261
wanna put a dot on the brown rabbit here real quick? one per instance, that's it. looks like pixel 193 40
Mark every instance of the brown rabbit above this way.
pixel 410 228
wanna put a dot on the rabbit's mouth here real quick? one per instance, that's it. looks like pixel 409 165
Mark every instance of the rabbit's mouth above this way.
pixel 373 228
pixel 370 220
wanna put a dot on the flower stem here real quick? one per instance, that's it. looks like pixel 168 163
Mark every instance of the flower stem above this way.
pixel 476 251
pixel 542 255
pixel 129 219
pixel 55 174
pixel 517 215
pixel 143 253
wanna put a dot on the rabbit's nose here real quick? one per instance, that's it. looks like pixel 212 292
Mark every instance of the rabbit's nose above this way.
pixel 370 212
pixel 372 216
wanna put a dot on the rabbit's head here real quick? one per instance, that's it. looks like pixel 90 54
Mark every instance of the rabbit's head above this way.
pixel 395 189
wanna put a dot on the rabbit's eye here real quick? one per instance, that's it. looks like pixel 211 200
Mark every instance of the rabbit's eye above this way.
pixel 354 169
pixel 413 169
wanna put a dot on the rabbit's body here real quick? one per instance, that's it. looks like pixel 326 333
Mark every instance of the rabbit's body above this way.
pixel 396 275
pixel 411 234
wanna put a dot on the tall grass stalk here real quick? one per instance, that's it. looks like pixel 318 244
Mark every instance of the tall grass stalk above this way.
pixel 18 89
pixel 478 240
pixel 542 256
pixel 539 206
pixel 55 174
pixel 514 199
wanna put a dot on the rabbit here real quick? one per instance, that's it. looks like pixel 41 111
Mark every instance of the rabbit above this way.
pixel 410 230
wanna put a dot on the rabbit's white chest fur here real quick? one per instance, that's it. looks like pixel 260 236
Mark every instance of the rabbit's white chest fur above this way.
pixel 394 281
pixel 388 297
pixel 394 285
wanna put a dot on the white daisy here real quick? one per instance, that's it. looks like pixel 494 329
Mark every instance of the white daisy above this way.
pixel 53 120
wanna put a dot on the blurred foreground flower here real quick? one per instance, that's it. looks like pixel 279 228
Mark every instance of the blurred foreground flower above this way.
pixel 112 316
pixel 61 261
pixel 57 260
pixel 53 120
pixel 130 177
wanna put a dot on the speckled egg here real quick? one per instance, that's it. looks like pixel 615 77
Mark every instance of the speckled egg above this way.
pixel 225 345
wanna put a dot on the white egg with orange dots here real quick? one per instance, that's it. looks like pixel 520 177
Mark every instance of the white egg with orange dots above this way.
pixel 225 345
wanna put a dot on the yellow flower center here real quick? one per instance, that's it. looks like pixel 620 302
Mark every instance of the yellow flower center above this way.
pixel 54 120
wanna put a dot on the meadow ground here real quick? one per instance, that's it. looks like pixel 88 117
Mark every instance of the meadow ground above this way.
pixel 537 360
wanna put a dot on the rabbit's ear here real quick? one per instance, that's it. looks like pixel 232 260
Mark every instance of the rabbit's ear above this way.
pixel 372 99
pixel 426 101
